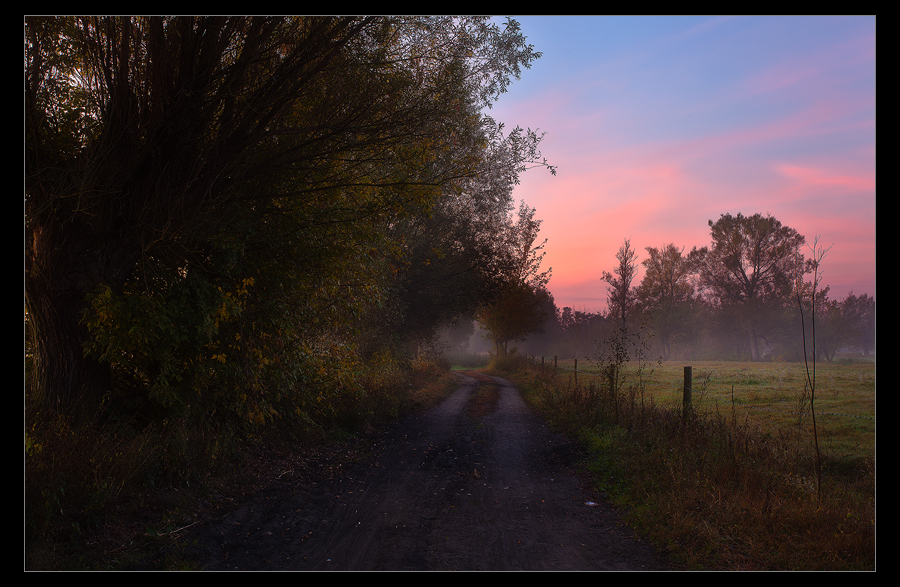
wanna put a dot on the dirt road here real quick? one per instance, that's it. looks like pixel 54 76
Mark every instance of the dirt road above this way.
pixel 478 483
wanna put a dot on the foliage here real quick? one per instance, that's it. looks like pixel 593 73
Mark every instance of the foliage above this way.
pixel 519 311
pixel 237 228
pixel 621 296
pixel 691 317
pixel 299 155
pixel 666 293
pixel 845 323
pixel 751 267
pixel 579 332
pixel 522 304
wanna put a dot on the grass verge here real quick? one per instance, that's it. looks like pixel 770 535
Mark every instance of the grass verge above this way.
pixel 712 492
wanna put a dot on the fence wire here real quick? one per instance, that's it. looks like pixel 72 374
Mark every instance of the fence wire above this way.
pixel 737 404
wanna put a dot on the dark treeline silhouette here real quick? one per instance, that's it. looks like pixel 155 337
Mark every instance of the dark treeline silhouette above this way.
pixel 738 299
pixel 846 326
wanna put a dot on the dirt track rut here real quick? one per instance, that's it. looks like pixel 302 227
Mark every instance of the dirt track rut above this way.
pixel 447 490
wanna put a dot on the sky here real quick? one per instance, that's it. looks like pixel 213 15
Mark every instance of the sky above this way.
pixel 659 124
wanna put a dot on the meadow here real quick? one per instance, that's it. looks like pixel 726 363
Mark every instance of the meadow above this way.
pixel 774 397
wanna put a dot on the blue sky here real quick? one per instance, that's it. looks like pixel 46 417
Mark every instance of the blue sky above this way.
pixel 659 124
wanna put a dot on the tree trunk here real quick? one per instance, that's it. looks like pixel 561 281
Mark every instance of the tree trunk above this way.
pixel 62 268
pixel 64 379
pixel 754 344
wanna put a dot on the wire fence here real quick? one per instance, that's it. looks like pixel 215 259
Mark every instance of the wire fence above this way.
pixel 688 389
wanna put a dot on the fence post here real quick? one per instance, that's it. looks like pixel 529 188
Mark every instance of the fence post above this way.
pixel 554 365
pixel 542 366
pixel 688 385
pixel 575 373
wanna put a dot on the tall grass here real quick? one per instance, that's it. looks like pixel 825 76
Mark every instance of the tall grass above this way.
pixel 714 490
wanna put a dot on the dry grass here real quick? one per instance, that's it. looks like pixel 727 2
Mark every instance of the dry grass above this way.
pixel 734 486
pixel 769 396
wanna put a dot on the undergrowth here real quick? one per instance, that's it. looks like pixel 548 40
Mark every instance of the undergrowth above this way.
pixel 104 495
pixel 713 492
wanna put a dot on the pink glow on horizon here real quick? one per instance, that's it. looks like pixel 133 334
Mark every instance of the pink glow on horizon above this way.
pixel 652 203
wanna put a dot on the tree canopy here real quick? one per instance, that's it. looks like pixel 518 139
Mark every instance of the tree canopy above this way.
pixel 751 267
pixel 666 292
pixel 210 194
pixel 520 306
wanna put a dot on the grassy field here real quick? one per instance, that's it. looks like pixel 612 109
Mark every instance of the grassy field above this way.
pixel 773 396
pixel 462 360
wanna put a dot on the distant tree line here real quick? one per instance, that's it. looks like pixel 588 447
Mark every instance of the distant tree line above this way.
pixel 738 298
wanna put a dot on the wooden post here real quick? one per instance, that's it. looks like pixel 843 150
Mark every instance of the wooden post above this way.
pixel 554 365
pixel 575 372
pixel 542 366
pixel 688 385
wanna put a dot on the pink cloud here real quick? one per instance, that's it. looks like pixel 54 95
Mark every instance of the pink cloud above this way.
pixel 812 178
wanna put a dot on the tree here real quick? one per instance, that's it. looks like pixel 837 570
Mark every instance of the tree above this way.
pixel 666 293
pixel 862 308
pixel 522 304
pixel 581 331
pixel 520 257
pixel 843 323
pixel 621 296
pixel 171 162
pixel 460 256
pixel 520 310
pixel 750 269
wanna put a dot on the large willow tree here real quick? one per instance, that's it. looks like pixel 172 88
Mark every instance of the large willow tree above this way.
pixel 182 170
